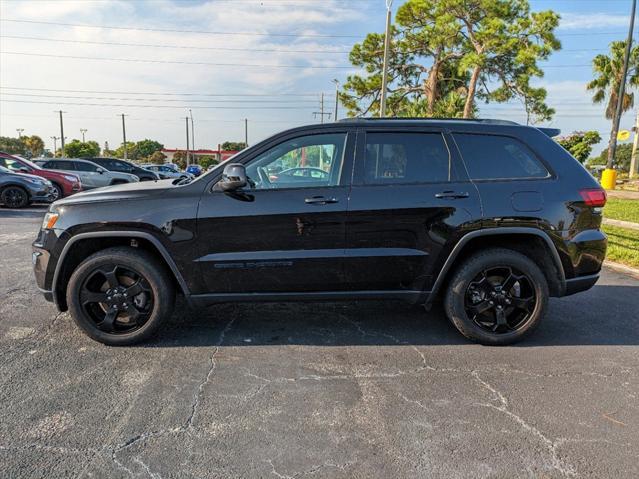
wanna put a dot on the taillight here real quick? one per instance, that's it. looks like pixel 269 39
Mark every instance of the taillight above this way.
pixel 594 197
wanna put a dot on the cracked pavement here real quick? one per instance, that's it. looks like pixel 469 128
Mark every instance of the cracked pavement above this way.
pixel 368 389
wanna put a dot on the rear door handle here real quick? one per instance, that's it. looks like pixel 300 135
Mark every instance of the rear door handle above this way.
pixel 452 194
pixel 320 200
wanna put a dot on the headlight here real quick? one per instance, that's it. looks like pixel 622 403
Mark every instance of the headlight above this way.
pixel 73 179
pixel 49 220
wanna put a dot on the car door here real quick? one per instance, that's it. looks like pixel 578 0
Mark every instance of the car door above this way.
pixel 91 172
pixel 280 235
pixel 67 166
pixel 410 201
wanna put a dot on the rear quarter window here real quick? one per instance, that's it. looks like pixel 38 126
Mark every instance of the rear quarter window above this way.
pixel 496 157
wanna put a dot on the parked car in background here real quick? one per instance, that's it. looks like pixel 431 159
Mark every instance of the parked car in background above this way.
pixel 195 170
pixel 123 166
pixel 91 175
pixel 18 190
pixel 168 172
pixel 64 184
pixel 490 216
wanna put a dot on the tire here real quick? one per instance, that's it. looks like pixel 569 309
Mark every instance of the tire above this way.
pixel 15 197
pixel 497 297
pixel 58 193
pixel 91 295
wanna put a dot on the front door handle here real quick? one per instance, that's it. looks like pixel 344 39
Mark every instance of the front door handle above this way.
pixel 452 194
pixel 320 200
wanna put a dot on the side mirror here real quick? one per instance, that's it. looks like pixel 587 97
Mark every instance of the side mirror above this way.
pixel 100 170
pixel 233 177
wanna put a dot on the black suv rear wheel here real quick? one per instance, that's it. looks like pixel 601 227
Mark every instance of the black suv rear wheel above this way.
pixel 497 297
pixel 120 296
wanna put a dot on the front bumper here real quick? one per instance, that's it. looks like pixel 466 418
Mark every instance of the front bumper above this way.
pixel 581 283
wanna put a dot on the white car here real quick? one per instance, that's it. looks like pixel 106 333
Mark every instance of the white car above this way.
pixel 91 175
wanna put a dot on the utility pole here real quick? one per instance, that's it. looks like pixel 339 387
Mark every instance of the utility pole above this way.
pixel 192 132
pixel 609 175
pixel 321 113
pixel 124 136
pixel 382 104
pixel 55 144
pixel 83 131
pixel 19 130
pixel 61 132
pixel 245 132
pixel 336 81
pixel 187 140
pixel 633 161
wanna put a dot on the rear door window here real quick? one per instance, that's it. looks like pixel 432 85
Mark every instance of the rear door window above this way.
pixel 496 157
pixel 80 166
pixel 404 158
pixel 59 165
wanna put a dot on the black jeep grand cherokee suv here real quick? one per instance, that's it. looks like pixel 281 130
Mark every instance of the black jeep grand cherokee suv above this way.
pixel 492 216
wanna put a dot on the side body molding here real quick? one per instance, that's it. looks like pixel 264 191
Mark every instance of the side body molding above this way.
pixel 506 230
pixel 127 234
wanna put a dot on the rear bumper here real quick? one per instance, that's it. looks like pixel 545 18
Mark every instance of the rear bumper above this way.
pixel 581 283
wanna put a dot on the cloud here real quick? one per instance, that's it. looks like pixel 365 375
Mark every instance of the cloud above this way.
pixel 581 21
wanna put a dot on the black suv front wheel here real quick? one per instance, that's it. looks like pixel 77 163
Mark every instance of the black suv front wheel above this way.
pixel 497 297
pixel 120 296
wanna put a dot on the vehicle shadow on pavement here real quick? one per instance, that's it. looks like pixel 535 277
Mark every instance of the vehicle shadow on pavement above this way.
pixel 33 211
pixel 606 315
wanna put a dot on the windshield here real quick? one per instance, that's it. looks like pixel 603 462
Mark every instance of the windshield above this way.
pixel 29 163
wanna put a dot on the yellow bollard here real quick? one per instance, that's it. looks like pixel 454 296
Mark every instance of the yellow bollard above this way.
pixel 609 179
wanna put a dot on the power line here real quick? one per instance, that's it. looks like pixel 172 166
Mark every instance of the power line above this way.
pixel 157 99
pixel 176 62
pixel 159 106
pixel 185 47
pixel 170 30
pixel 164 94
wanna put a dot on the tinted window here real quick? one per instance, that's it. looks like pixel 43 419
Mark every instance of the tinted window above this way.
pixel 490 157
pixel 59 165
pixel 80 166
pixel 116 165
pixel 320 153
pixel 12 165
pixel 406 158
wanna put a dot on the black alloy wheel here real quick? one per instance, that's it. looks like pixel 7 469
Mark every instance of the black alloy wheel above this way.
pixel 56 192
pixel 500 299
pixel 117 298
pixel 15 197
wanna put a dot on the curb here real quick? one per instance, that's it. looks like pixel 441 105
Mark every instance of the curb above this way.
pixel 621 224
pixel 622 268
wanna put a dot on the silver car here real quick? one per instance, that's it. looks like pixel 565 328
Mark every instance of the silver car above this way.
pixel 91 175
pixel 166 172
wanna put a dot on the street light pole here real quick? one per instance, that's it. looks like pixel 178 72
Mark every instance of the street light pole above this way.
pixel 61 132
pixel 55 144
pixel 83 131
pixel 382 104
pixel 609 176
pixel 192 133
pixel 635 144
pixel 187 140
pixel 245 132
pixel 19 130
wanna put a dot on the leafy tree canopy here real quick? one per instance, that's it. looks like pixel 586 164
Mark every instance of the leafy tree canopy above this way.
pixel 233 145
pixel 13 146
pixel 580 143
pixel 206 161
pixel 623 155
pixel 448 54
pixel 78 149
pixel 139 151
pixel 179 158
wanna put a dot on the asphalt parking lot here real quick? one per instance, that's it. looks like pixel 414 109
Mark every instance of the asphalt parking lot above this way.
pixel 315 390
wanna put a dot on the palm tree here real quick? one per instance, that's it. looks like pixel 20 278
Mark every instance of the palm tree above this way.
pixel 609 74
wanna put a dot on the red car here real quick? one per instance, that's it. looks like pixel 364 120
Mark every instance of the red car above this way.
pixel 64 184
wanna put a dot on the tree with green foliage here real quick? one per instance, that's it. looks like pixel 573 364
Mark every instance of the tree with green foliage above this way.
pixel 119 151
pixel 78 149
pixel 206 161
pixel 34 144
pixel 179 158
pixel 623 155
pixel 13 146
pixel 579 143
pixel 145 148
pixel 157 157
pixel 233 145
pixel 447 54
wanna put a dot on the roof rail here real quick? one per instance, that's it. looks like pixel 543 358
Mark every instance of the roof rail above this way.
pixel 489 121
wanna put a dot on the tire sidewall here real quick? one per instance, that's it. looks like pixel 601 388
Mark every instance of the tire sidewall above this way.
pixel 145 265
pixel 60 191
pixel 456 295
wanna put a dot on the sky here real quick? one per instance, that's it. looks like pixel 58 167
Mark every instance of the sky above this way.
pixel 267 61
